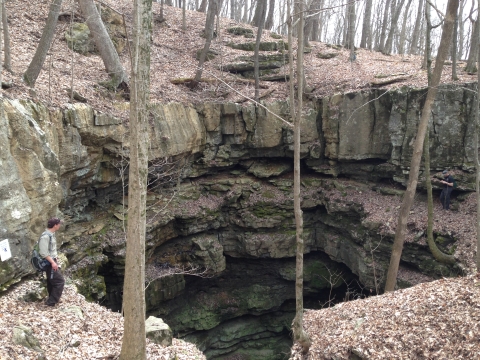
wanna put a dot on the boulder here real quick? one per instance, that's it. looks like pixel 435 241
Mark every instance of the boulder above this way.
pixel 237 30
pixel 264 169
pixel 250 46
pixel 157 331
pixel 37 293
pixel 266 62
pixel 75 310
pixel 23 335
pixel 327 55
pixel 211 54
pixel 78 38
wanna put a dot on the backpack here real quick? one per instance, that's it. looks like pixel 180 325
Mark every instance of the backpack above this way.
pixel 454 183
pixel 40 264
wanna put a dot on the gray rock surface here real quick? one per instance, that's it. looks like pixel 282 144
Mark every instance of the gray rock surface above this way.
pixel 158 331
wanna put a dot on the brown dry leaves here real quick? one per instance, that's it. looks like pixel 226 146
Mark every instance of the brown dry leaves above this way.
pixel 435 320
pixel 98 335
pixel 173 56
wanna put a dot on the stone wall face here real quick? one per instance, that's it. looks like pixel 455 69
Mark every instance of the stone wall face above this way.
pixel 233 210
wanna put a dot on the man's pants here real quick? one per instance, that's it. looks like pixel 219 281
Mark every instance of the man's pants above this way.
pixel 55 283
pixel 445 197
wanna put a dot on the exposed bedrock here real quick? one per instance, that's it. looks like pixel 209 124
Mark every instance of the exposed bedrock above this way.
pixel 230 218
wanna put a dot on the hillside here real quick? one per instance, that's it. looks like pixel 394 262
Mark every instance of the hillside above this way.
pixel 74 329
pixel 435 320
pixel 173 57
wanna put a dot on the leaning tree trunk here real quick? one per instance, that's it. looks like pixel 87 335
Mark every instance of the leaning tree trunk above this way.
pixel 134 342
pixel 387 49
pixel 203 6
pixel 418 146
pixel 209 27
pixel 427 60
pixel 104 44
pixel 262 5
pixel 299 333
pixel 436 252
pixel 30 76
pixel 258 13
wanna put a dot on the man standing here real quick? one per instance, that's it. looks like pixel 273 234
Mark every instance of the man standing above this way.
pixel 447 182
pixel 47 248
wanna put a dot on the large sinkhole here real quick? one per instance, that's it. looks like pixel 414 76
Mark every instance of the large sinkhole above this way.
pixel 245 312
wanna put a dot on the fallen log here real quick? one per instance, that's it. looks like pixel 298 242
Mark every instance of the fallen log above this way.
pixel 389 81
pixel 181 81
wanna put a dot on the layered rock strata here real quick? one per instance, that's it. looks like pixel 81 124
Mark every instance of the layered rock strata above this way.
pixel 230 218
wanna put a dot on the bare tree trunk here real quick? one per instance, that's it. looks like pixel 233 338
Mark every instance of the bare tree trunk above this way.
pixel 383 34
pixel 375 41
pixel 245 12
pixel 455 49
pixel 401 46
pixel 104 44
pixel 427 61
pixel 258 13
pixel 416 29
pixel 387 49
pixel 30 76
pixel 436 252
pixel 471 66
pixel 460 30
pixel 421 44
pixel 351 30
pixel 418 146
pixel 299 334
pixel 318 22
pixel 2 10
pixel 209 26
pixel 232 9
pixel 262 6
pixel 366 26
pixel 269 21
pixel 252 6
pixel 477 161
pixel 345 25
pixel 6 39
pixel 134 338
pixel 203 6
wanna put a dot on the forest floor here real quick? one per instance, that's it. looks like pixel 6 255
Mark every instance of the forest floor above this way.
pixel 434 320
pixel 174 57
pixel 74 329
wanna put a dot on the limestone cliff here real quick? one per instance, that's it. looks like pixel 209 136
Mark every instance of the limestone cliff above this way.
pixel 232 213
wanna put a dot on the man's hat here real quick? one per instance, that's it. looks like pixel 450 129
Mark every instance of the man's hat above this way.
pixel 53 221
pixel 445 172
